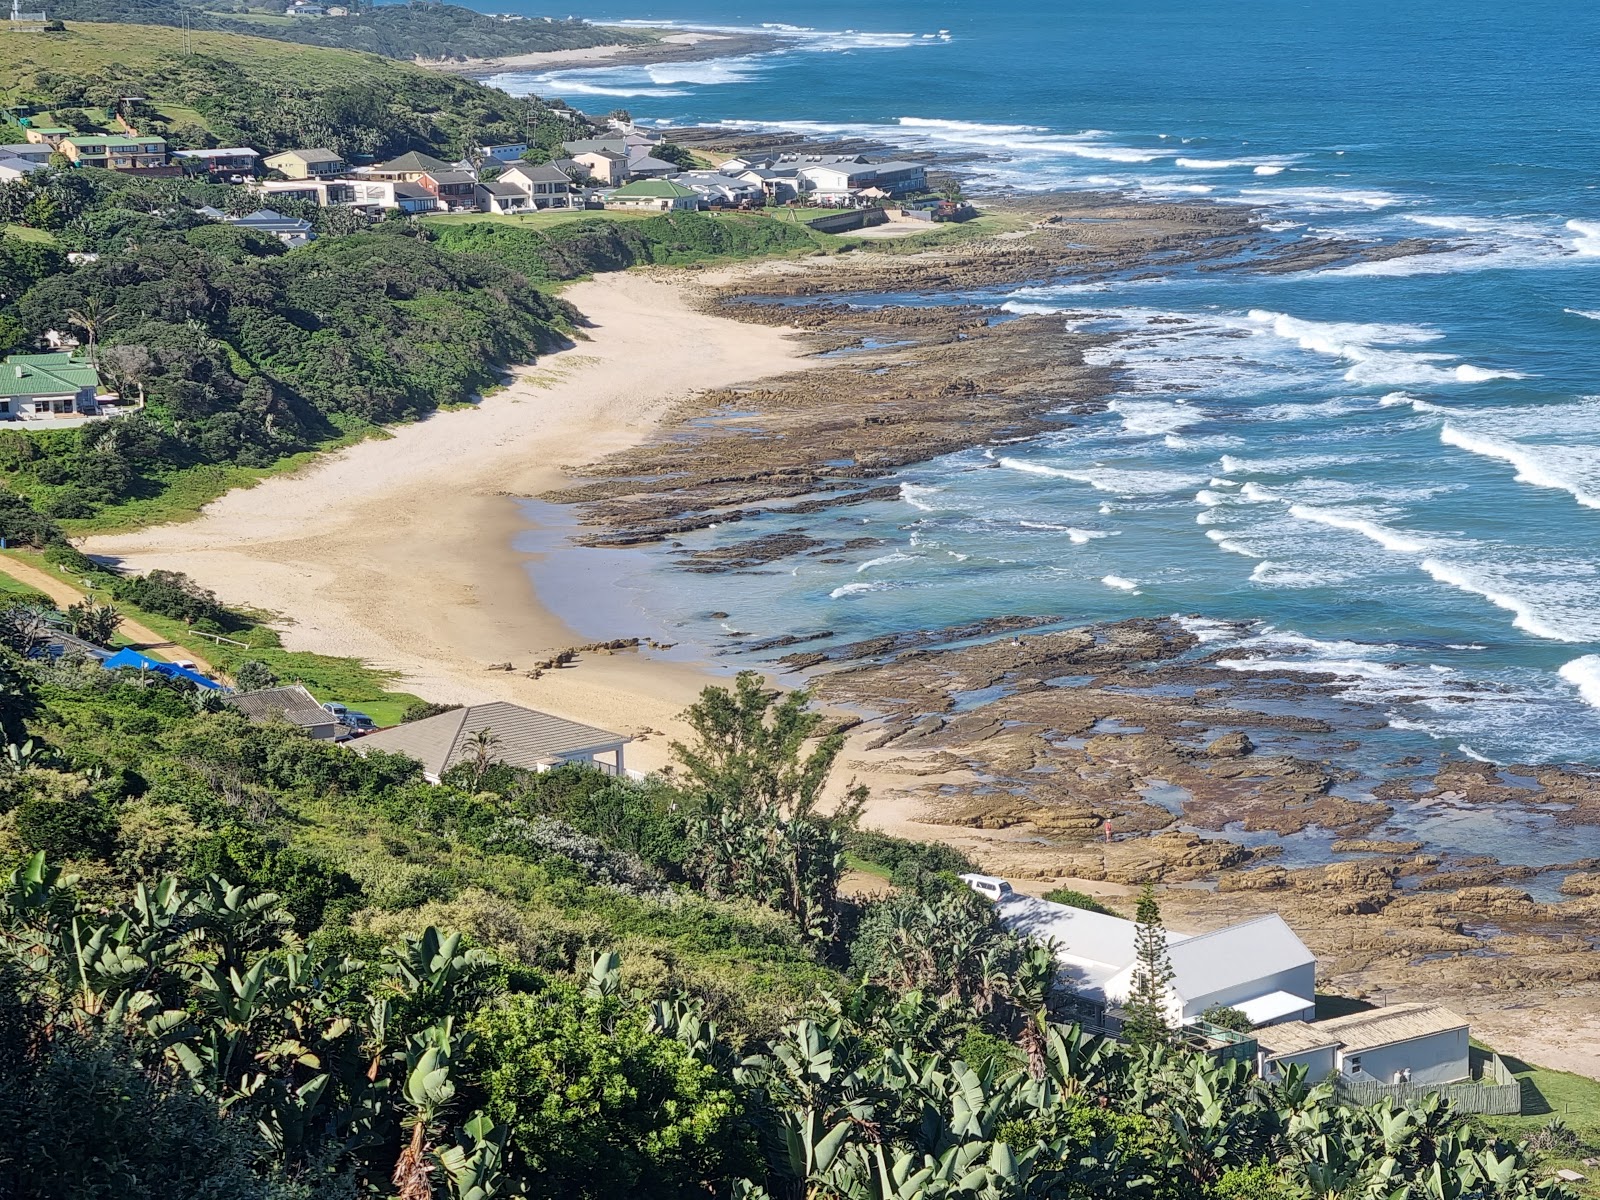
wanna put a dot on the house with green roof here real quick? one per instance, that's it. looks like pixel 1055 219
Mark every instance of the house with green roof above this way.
pixel 654 195
pixel 42 387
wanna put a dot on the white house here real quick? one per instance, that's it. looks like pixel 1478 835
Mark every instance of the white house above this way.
pixel 715 188
pixel 13 168
pixel 1259 967
pixel 44 386
pixel 291 231
pixel 501 198
pixel 510 152
pixel 392 193
pixel 545 186
pixel 1421 1044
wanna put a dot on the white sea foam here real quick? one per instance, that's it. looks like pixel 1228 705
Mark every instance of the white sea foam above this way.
pixel 1361 345
pixel 856 589
pixel 1587 243
pixel 884 560
pixel 1224 542
pixel 1389 539
pixel 1396 399
pixel 1150 417
pixel 919 496
pixel 1536 465
pixel 1526 617
pixel 1079 537
pixel 1584 674
pixel 1106 479
pixel 1322 199
pixel 1120 584
pixel 1578 312
pixel 1255 492
pixel 1206 629
pixel 1271 574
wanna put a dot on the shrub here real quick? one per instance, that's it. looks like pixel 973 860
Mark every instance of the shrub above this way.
pixel 65 828
pixel 909 863
pixel 71 558
pixel 1228 1018
pixel 254 675
pixel 1078 899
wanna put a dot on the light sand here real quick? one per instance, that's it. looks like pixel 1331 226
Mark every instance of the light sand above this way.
pixel 398 551
pixel 577 59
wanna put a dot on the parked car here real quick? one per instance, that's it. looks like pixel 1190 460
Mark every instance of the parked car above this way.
pixel 990 887
pixel 359 721
pixel 336 709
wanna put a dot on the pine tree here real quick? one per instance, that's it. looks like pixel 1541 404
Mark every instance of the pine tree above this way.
pixel 1145 1012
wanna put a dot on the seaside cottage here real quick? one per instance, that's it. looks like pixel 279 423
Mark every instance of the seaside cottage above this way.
pixel 654 195
pixel 502 198
pixel 1259 967
pixel 44 386
pixel 315 163
pixel 606 167
pixel 517 736
pixel 291 231
pixel 291 704
pixel 453 189
pixel 391 193
pixel 321 192
pixel 145 154
pixel 232 160
pixel 1419 1044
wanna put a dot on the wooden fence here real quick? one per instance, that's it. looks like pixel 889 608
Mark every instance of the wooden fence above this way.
pixel 1496 1092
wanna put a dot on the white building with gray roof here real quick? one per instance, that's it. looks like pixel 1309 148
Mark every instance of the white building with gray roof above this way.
pixel 516 736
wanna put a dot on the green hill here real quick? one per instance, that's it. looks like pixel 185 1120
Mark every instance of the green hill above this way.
pixel 232 89
pixel 395 30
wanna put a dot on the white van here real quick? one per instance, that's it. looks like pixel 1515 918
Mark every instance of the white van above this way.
pixel 990 887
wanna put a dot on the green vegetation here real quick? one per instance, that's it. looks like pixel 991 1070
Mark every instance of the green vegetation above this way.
pixel 1077 899
pixel 235 962
pixel 234 91
pixel 404 31
pixel 1560 1118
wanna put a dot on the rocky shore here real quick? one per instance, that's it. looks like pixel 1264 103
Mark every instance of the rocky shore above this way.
pixel 1096 755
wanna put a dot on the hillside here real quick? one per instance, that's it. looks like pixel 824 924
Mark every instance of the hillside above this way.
pixel 396 30
pixel 234 89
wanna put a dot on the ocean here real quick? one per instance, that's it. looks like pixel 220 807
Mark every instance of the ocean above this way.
pixel 1390 471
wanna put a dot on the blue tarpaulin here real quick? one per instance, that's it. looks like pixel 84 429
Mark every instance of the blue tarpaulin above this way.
pixel 127 657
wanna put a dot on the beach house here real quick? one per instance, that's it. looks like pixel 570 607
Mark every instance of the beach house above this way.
pixel 230 160
pixel 506 733
pixel 1259 967
pixel 392 193
pixel 13 168
pixel 321 192
pixel 510 152
pixel 292 705
pixel 656 195
pixel 714 188
pixel 407 168
pixel 498 196
pixel 606 167
pixel 291 231
pixel 145 154
pixel 315 163
pixel 451 188
pixel 545 185
pixel 1420 1044
pixel 37 387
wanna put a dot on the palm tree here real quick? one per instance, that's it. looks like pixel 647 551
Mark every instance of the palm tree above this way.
pixel 92 318
pixel 482 747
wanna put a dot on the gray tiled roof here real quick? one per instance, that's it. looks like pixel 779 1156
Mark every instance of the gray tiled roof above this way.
pixel 526 738
pixel 291 703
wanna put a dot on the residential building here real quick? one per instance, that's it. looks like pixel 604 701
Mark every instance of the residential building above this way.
pixel 230 160
pixel 1259 967
pixel 48 135
pixel 510 152
pixel 115 153
pixel 646 166
pixel 12 169
pixel 842 182
pixel 779 187
pixel 42 386
pixel 629 144
pixel 38 152
pixel 408 168
pixel 453 189
pixel 715 188
pixel 321 192
pixel 513 735
pixel 291 231
pixel 1419 1044
pixel 292 705
pixel 315 163
pixel 392 193
pixel 606 167
pixel 546 185
pixel 659 195
pixel 501 198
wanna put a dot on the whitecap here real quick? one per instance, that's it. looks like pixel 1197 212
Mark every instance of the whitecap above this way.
pixel 1526 617
pixel 856 589
pixel 1389 539
pixel 1587 243
pixel 1584 674
pixel 918 495
pixel 884 560
pixel 1120 584
pixel 1534 465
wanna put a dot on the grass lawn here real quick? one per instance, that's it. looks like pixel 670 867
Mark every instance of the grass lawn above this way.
pixel 536 220
pixel 23 234
pixel 1547 1095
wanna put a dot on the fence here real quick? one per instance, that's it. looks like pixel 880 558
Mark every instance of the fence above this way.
pixel 844 222
pixel 1495 1092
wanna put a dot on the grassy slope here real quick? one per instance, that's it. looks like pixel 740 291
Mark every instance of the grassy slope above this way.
pixel 1547 1094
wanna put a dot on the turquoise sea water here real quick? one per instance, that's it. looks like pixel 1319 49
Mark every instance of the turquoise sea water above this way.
pixel 1392 470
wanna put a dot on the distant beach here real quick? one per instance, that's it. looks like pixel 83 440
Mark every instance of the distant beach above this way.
pixel 670 46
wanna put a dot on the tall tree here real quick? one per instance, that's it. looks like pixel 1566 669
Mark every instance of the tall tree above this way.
pixel 1145 1021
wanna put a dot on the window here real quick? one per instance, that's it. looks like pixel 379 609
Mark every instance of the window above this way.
pixel 1353 1064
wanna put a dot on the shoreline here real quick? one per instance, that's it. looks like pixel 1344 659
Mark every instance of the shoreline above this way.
pixel 392 578
pixel 412 567
pixel 675 45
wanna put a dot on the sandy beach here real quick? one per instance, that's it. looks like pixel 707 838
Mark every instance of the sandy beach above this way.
pixel 398 551
pixel 670 47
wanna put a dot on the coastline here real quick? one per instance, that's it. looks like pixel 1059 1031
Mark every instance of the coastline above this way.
pixel 671 46
pixel 409 565
pixel 410 571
